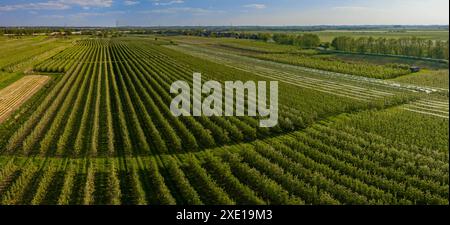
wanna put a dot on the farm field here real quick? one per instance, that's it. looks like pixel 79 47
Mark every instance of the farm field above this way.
pixel 431 78
pixel 19 92
pixel 8 78
pixel 237 44
pixel 376 66
pixel 101 131
pixel 386 60
pixel 329 35
pixel 20 54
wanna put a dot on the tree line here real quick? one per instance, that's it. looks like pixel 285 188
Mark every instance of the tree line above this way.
pixel 303 41
pixel 408 46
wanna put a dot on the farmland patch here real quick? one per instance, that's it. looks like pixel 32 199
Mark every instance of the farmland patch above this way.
pixel 17 93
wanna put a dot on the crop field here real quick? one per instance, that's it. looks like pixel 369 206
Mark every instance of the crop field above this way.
pixel 20 91
pixel 18 54
pixel 236 44
pixel 8 78
pixel 101 91
pixel 354 64
pixel 101 131
pixel 329 35
pixel 386 60
pixel 431 78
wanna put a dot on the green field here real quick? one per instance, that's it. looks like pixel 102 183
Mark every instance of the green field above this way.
pixel 378 66
pixel 431 78
pixel 102 132
pixel 8 78
pixel 19 54
pixel 329 35
pixel 16 54
pixel 385 60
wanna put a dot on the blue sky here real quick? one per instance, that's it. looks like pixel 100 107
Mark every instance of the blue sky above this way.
pixel 221 12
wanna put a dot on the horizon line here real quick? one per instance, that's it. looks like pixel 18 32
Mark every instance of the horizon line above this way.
pixel 159 26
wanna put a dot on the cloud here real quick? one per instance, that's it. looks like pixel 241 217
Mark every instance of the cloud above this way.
pixel 50 5
pixel 130 2
pixel 93 3
pixel 184 10
pixel 95 14
pixel 57 5
pixel 416 12
pixel 166 3
pixel 255 6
